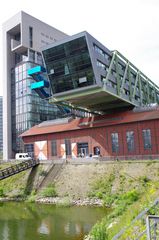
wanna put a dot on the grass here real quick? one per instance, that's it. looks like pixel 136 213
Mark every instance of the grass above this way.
pixel 126 195
pixel 126 204
pixel 102 189
pixel 49 191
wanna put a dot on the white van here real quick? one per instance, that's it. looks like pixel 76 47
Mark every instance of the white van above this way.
pixel 22 156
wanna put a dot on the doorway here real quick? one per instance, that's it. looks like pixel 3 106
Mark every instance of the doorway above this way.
pixel 82 149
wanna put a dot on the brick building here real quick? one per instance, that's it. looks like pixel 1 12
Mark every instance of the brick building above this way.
pixel 126 134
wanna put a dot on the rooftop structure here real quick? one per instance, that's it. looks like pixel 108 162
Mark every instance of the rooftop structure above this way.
pixel 85 74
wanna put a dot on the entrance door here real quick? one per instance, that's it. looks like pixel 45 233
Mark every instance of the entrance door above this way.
pixel 83 152
pixel 82 149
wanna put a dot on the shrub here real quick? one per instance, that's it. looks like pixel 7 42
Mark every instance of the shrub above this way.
pixel 50 191
pixel 99 232
pixel 130 197
pixel 1 192
pixel 110 199
pixel 102 187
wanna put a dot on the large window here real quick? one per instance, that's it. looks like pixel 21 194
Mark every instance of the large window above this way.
pixel 69 66
pixel 130 141
pixel 146 133
pixel 115 142
pixel 53 148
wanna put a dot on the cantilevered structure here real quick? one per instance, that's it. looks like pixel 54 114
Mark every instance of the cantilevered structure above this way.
pixel 85 74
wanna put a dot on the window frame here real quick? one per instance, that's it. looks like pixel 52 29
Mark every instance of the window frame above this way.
pixel 132 138
pixel 54 148
pixel 114 140
pixel 147 139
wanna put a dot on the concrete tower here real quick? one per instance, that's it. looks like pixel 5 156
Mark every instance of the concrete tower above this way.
pixel 23 38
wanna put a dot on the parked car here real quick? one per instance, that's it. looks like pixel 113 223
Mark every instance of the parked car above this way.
pixel 22 156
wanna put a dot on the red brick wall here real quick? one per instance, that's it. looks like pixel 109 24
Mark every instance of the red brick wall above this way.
pixel 102 137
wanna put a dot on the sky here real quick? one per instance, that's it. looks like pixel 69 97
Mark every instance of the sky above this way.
pixel 129 26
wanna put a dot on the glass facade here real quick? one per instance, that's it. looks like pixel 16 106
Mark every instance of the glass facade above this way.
pixel 28 109
pixel 69 66
pixel 146 133
pixel 1 124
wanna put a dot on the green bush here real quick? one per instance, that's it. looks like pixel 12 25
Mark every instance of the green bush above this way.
pixel 1 192
pixel 144 179
pixel 50 191
pixel 43 173
pixel 102 187
pixel 110 199
pixel 130 196
pixel 99 232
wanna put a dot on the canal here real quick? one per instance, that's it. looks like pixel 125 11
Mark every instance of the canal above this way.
pixel 28 221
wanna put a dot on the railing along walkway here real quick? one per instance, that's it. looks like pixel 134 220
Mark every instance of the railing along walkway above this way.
pixel 17 168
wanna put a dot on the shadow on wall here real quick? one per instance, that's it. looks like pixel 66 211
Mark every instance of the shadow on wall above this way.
pixel 30 180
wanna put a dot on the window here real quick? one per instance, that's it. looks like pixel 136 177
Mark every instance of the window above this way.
pixel 101 52
pixel 53 148
pixel 101 65
pixel 31 37
pixel 130 141
pixel 29 148
pixel 68 147
pixel 31 55
pixel 146 134
pixel 39 58
pixel 115 142
pixel 69 66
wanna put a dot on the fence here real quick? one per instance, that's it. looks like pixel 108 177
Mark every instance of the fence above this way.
pixel 143 219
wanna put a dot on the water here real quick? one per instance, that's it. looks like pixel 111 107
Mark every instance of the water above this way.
pixel 23 221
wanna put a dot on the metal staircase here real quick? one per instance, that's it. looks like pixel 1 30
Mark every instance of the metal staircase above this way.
pixel 17 168
pixel 41 85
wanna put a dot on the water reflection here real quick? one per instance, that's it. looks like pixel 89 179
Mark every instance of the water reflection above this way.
pixel 5 233
pixel 20 221
pixel 44 229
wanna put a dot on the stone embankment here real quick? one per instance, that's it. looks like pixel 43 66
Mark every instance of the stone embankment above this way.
pixel 67 201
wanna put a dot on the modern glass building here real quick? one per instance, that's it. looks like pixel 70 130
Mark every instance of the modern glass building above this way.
pixel 30 109
pixel 84 73
pixel 1 124
pixel 23 38
pixel 69 66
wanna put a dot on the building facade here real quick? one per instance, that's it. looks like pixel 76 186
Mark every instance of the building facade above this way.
pixel 127 134
pixel 23 38
pixel 1 124
pixel 86 74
